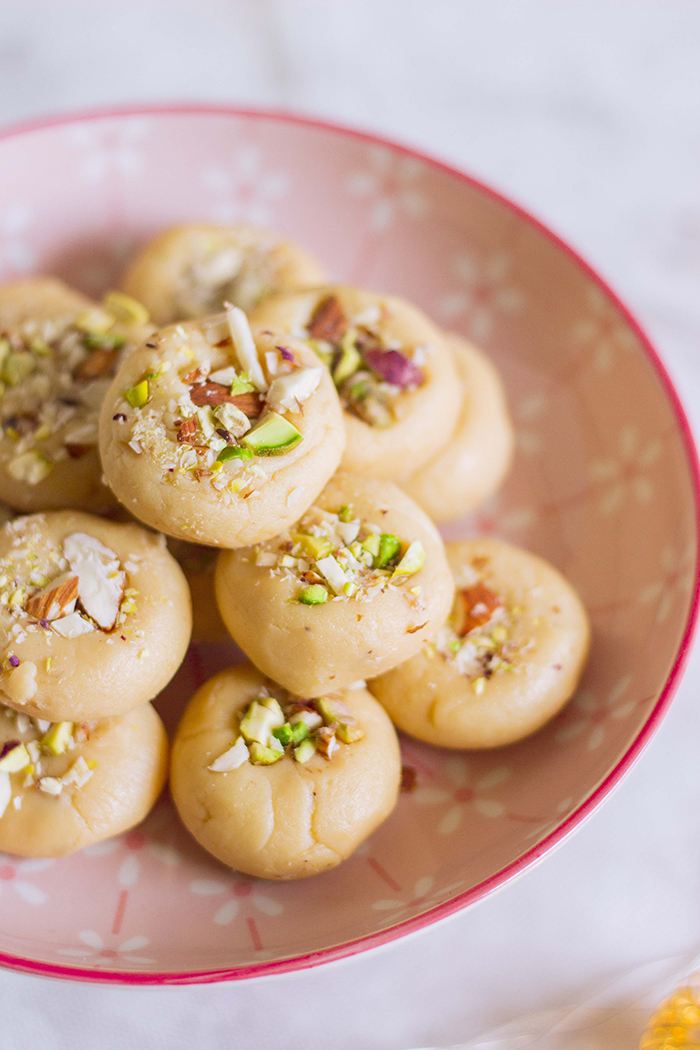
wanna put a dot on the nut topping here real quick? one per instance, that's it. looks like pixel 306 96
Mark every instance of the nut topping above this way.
pixel 56 599
pixel 328 321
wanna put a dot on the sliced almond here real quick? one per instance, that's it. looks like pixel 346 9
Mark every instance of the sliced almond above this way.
pixel 326 742
pixel 328 321
pixel 73 625
pixel 290 391
pixel 245 347
pixel 58 598
pixel 101 581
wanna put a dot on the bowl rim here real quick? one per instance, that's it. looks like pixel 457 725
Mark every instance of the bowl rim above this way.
pixel 633 752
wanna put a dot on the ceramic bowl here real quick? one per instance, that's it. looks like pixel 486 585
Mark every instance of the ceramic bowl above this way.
pixel 604 485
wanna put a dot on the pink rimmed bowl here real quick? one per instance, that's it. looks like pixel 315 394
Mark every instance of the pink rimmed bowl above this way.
pixel 605 484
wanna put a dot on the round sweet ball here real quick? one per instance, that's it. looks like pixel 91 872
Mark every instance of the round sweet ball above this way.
pixel 278 787
pixel 191 271
pixel 58 354
pixel 95 616
pixel 352 589
pixel 507 660
pixel 396 378
pixel 216 438
pixel 472 465
pixel 67 785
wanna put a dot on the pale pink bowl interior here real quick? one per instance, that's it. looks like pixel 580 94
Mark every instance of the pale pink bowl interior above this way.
pixel 603 485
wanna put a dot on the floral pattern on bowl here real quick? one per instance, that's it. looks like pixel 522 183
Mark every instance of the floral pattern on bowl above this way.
pixel 604 485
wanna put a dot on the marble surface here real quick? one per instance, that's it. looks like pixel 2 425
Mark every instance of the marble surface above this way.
pixel 588 114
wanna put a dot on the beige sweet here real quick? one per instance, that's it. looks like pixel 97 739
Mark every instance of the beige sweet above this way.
pixel 191 271
pixel 299 814
pixel 58 353
pixel 212 437
pixel 395 375
pixel 471 466
pixel 508 659
pixel 95 616
pixel 351 590
pixel 64 786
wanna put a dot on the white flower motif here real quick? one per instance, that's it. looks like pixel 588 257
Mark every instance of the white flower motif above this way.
pixel 109 146
pixel 12 872
pixel 244 189
pixel 679 577
pixel 626 474
pixel 589 713
pixel 463 796
pixel 421 895
pixel 527 411
pixel 15 254
pixel 132 843
pixel 485 291
pixel 238 890
pixel 96 950
pixel 604 333
pixel 390 188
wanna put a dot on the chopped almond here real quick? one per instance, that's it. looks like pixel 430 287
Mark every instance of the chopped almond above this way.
pixel 328 321
pixel 195 376
pixel 250 404
pixel 326 743
pixel 187 430
pixel 55 599
pixel 474 606
pixel 214 394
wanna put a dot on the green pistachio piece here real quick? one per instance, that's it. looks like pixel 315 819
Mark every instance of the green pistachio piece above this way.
pixel 273 705
pixel 273 436
pixel 348 360
pixel 57 737
pixel 126 309
pixel 240 384
pixel 14 758
pixel 412 561
pixel 264 756
pixel 389 549
pixel 4 349
pixel 95 319
pixel 291 734
pixel 258 722
pixel 304 752
pixel 17 367
pixel 322 350
pixel 234 452
pixel 138 395
pixel 314 546
pixel 314 594
pixel 104 341
pixel 345 514
pixel 348 733
pixel 371 544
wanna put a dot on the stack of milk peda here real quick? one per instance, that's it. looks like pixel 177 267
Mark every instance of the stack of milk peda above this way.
pixel 295 441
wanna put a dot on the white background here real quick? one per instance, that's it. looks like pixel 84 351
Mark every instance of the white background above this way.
pixel 588 113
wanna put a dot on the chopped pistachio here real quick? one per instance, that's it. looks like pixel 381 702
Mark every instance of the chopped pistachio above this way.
pixel 291 734
pixel 478 685
pixel 14 758
pixel 305 751
pixel 412 561
pixel 348 361
pixel 234 452
pixel 371 545
pixel 314 594
pixel 273 436
pixel 273 705
pixel 126 309
pixel 315 546
pixel 389 548
pixel 95 320
pixel 264 756
pixel 138 395
pixel 57 739
pixel 17 367
pixel 346 513
pixel 240 384
pixel 348 733
pixel 258 722
pixel 31 467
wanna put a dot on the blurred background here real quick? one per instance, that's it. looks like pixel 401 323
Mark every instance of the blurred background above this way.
pixel 588 114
